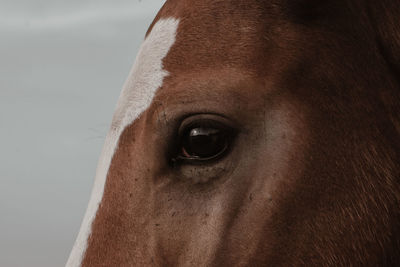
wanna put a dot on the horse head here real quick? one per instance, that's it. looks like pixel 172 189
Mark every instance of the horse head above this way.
pixel 254 133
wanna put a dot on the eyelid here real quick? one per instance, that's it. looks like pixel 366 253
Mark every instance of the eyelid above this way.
pixel 206 120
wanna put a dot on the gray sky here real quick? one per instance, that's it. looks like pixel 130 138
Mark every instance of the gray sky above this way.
pixel 62 67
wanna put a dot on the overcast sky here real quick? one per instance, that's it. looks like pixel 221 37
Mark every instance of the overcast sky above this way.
pixel 63 63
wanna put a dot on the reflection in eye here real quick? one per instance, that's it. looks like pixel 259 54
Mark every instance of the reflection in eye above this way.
pixel 204 141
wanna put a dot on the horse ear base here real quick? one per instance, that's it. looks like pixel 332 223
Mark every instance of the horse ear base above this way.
pixel 308 11
pixel 385 16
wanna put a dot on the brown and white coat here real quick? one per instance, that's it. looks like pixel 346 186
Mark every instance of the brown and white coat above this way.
pixel 312 176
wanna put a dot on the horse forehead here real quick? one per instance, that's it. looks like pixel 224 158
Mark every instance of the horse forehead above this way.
pixel 219 34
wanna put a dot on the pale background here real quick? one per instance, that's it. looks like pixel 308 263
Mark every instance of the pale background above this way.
pixel 62 66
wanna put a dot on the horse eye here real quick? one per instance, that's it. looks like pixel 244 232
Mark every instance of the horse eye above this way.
pixel 199 143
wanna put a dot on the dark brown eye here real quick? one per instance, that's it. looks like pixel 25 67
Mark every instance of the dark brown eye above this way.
pixel 203 141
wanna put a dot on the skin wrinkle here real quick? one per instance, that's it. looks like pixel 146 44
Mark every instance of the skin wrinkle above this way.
pixel 312 176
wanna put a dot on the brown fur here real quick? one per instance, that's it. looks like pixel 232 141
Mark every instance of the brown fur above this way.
pixel 314 176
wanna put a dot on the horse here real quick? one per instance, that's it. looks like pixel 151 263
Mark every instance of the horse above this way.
pixel 254 133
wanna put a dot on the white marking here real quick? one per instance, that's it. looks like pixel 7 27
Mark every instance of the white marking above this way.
pixel 145 77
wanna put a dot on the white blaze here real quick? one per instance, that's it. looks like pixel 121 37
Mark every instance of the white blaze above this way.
pixel 144 79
